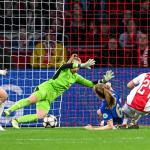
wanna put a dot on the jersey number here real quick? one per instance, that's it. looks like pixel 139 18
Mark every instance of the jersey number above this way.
pixel 145 84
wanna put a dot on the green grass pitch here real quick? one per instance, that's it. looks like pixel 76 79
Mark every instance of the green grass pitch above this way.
pixel 74 139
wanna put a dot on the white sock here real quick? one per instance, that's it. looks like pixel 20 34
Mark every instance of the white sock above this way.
pixel 1 109
pixel 125 121
pixel 137 118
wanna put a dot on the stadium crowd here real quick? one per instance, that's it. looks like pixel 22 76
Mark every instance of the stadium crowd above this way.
pixel 113 32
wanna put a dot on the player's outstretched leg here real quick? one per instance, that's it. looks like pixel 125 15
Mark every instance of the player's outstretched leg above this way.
pixel 28 118
pixel 15 124
pixel 22 103
pixel 24 119
pixel 42 105
pixel 42 110
pixel 19 104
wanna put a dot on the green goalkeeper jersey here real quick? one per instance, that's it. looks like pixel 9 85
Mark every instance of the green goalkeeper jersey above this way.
pixel 63 79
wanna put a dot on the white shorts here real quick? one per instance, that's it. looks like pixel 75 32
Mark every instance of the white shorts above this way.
pixel 131 112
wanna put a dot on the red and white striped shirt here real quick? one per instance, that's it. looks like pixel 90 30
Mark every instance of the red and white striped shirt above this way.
pixel 139 97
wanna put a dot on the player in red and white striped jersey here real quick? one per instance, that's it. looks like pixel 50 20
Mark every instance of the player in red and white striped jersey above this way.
pixel 138 101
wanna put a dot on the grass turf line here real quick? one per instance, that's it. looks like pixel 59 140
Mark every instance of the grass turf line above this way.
pixel 74 139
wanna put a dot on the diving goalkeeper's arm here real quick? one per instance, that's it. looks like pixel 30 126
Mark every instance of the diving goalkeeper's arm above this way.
pixel 108 76
pixel 86 65
pixel 72 65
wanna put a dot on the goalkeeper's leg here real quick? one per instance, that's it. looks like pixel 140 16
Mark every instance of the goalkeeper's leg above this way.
pixel 35 97
pixel 42 110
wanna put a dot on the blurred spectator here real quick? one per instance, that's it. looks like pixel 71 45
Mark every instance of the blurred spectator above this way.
pixel 113 54
pixel 36 12
pixel 128 41
pixel 104 33
pixel 145 6
pixel 59 5
pixel 92 34
pixel 5 58
pixel 77 29
pixel 31 22
pixel 20 7
pixel 48 53
pixel 5 54
pixel 6 14
pixel 128 15
pixel 20 14
pixel 94 8
pixel 54 20
pixel 77 19
pixel 102 11
pixel 144 15
pixel 21 42
pixel 98 8
pixel 8 7
pixel 112 51
pixel 77 15
pixel 57 25
pixel 39 7
pixel 143 51
pixel 130 38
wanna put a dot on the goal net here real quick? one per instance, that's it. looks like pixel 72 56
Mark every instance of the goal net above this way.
pixel 37 36
pixel 32 48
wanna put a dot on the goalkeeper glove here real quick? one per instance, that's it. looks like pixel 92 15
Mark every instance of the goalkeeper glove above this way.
pixel 108 76
pixel 88 64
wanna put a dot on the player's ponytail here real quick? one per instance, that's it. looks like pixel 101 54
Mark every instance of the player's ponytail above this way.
pixel 99 90
pixel 109 98
pixel 104 93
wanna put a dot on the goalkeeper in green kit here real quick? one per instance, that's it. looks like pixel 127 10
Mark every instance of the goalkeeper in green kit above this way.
pixel 48 91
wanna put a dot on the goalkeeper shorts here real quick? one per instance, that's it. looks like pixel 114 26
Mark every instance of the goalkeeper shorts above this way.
pixel 45 98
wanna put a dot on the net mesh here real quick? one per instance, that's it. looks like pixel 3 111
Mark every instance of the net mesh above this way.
pixel 37 36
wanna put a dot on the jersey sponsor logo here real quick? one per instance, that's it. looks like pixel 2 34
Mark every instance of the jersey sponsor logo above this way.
pixel 105 116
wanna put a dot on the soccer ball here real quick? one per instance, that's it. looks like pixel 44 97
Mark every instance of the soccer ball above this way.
pixel 50 121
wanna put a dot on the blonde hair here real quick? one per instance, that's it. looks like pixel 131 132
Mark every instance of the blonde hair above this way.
pixel 104 93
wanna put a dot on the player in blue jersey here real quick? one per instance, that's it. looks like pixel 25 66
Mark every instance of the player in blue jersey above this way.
pixel 110 109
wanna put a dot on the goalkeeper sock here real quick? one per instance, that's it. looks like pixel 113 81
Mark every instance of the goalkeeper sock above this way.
pixel 19 104
pixel 27 118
